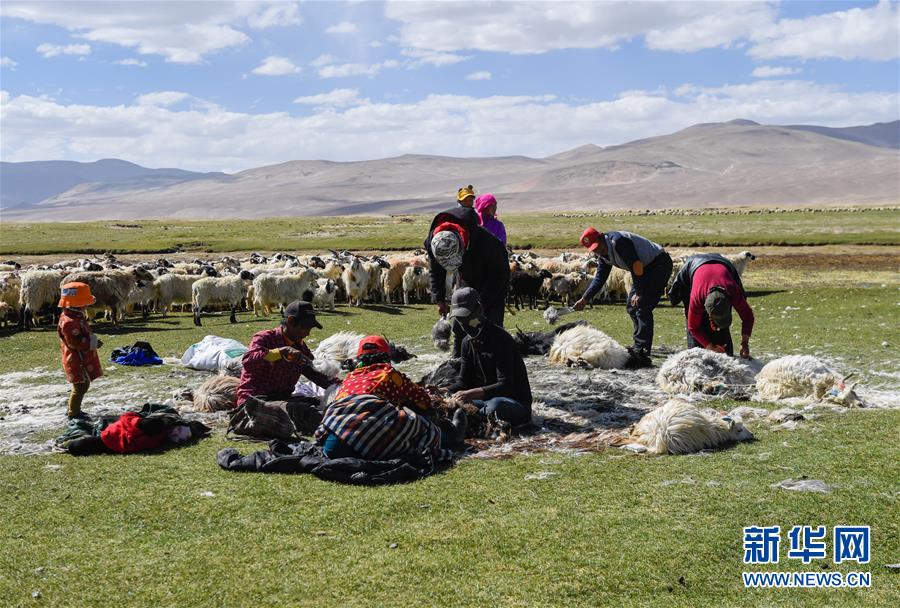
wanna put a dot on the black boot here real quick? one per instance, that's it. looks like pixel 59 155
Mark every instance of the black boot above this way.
pixel 638 358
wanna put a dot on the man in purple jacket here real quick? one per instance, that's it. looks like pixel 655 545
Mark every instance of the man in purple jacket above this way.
pixel 278 357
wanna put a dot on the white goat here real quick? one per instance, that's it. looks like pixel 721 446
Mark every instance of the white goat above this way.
pixel 356 281
pixel 679 427
pixel 740 261
pixel 416 281
pixel 40 288
pixel 217 290
pixel 325 293
pixel 278 290
pixel 112 288
pixel 803 376
pixel 172 289
pixel 10 293
pixel 586 346
pixel 704 371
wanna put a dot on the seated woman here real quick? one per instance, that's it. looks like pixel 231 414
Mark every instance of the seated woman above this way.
pixel 378 413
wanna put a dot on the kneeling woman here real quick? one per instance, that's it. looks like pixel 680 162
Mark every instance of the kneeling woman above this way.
pixel 378 413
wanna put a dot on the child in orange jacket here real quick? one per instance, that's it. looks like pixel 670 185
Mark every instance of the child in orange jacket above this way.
pixel 77 343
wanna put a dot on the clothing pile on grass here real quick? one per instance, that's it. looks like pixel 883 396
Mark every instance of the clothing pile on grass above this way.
pixel 152 427
pixel 136 355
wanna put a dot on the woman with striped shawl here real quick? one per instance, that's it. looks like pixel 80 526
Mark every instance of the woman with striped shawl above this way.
pixel 377 413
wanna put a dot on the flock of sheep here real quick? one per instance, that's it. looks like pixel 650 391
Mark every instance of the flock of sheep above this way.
pixel 262 283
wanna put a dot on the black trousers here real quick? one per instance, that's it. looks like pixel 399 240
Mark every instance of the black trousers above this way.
pixel 722 337
pixel 656 277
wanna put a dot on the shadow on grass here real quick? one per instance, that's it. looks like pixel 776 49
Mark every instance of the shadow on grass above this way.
pixel 764 292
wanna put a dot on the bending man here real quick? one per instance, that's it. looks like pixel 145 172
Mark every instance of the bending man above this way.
pixel 709 285
pixel 650 267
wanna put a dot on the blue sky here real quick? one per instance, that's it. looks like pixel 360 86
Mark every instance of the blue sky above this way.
pixel 233 85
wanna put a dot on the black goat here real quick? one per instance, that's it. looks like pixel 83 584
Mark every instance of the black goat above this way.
pixel 524 286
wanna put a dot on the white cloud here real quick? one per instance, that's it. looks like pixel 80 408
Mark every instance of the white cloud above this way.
pixel 276 66
pixel 538 27
pixel 279 14
pixel 6 62
pixel 321 60
pixel 208 137
pixel 334 98
pixel 376 44
pixel 437 59
pixel 345 70
pixel 858 33
pixel 771 71
pixel 182 32
pixel 483 75
pixel 130 61
pixel 162 98
pixel 47 50
pixel 344 27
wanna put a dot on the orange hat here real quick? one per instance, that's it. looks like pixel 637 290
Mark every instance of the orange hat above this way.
pixel 76 295
pixel 591 238
pixel 373 344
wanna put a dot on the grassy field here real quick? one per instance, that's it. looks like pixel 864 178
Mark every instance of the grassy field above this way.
pixel 610 528
pixel 367 233
pixel 604 529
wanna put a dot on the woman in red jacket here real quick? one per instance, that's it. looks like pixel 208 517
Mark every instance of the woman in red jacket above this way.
pixel 77 343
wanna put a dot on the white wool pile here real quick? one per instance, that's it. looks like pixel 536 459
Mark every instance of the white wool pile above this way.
pixel 802 376
pixel 217 394
pixel 678 427
pixel 340 346
pixel 705 371
pixel 586 346
pixel 327 366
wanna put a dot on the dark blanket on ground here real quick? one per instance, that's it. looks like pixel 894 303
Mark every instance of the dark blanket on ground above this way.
pixel 305 457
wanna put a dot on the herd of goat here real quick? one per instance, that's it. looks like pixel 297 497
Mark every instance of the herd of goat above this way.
pixel 262 283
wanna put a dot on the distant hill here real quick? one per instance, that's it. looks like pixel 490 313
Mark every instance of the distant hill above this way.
pixel 31 182
pixel 883 134
pixel 715 164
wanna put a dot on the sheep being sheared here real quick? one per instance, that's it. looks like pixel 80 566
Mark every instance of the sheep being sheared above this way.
pixel 539 342
pixel 679 427
pixel 588 347
pixel 342 348
pixel 217 394
pixel 803 376
pixel 698 370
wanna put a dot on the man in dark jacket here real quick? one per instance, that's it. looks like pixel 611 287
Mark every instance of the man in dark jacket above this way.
pixel 457 243
pixel 650 267
pixel 492 373
pixel 709 285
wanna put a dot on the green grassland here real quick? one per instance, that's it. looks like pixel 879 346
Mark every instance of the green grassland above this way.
pixel 606 529
pixel 539 230
pixel 610 528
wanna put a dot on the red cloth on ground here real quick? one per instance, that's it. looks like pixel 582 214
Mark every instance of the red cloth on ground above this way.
pixel 124 436
pixel 705 278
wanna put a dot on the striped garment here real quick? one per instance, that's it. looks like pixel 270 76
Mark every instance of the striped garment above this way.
pixel 378 430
